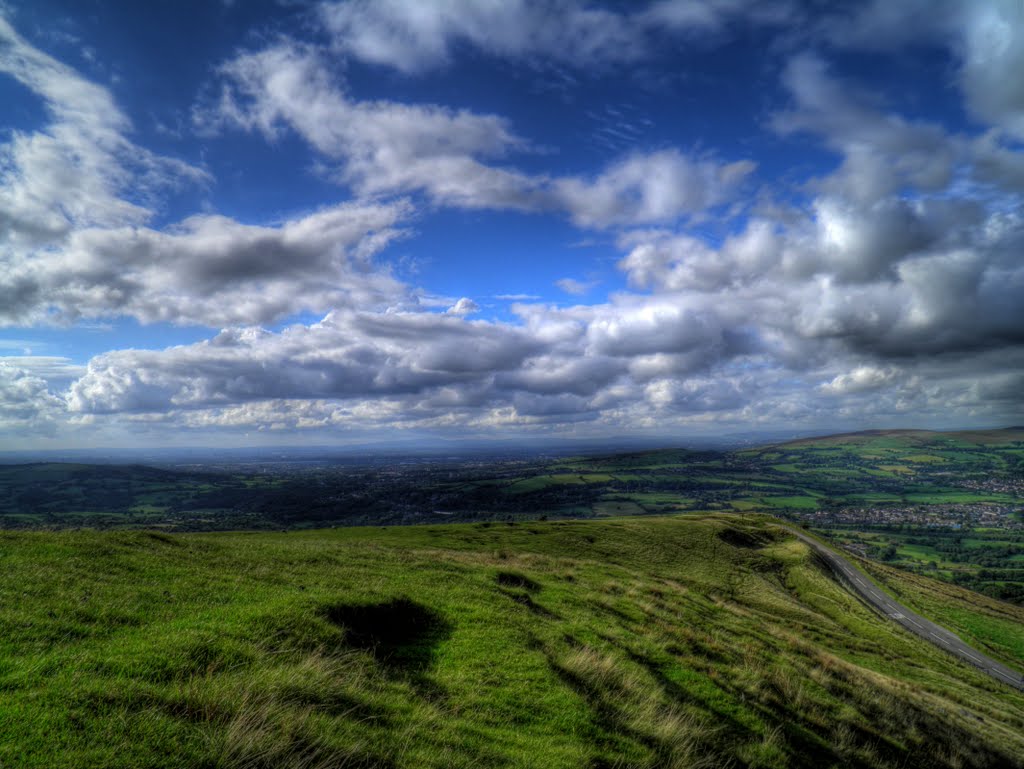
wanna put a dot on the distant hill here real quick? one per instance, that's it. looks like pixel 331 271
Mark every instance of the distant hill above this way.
pixel 912 437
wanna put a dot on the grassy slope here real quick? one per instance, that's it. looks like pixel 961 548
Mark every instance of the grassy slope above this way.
pixel 629 642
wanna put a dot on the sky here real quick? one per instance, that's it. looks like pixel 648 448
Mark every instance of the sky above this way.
pixel 299 222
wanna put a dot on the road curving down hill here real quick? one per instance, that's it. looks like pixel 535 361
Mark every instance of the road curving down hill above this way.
pixel 862 585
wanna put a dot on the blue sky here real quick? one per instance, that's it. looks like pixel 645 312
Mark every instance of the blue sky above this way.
pixel 279 222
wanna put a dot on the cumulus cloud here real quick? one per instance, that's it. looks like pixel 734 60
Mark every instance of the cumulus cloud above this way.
pixel 677 360
pixel 993 47
pixel 209 270
pixel 886 286
pixel 463 307
pixel 382 146
pixel 987 36
pixel 956 291
pixel 78 169
pixel 649 188
pixel 347 355
pixel 557 365
pixel 451 155
pixel 75 201
pixel 27 406
pixel 57 371
pixel 861 379
pixel 881 152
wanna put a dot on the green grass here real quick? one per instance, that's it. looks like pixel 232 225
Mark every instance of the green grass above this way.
pixel 988 560
pixel 538 482
pixel 654 500
pixel 921 553
pixel 802 502
pixel 617 507
pixel 642 642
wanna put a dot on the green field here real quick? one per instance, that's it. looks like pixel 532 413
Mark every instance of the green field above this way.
pixel 632 642
pixel 990 561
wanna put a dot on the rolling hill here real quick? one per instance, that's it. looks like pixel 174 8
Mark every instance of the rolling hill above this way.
pixel 643 642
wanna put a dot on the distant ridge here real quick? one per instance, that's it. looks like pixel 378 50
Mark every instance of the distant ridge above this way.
pixel 980 437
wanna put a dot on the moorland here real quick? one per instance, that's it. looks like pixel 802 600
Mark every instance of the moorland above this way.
pixel 643 642
pixel 649 609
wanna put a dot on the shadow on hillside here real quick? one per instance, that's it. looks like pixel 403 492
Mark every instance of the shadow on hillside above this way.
pixel 401 634
pixel 515 579
pixel 745 538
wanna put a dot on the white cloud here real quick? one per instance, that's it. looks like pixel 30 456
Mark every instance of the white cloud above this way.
pixel 80 168
pixel 57 371
pixel 649 188
pixel 861 379
pixel 210 270
pixel 560 366
pixel 463 307
pixel 517 297
pixel 894 287
pixel 753 355
pixel 385 147
pixel 412 37
pixel 75 200
pixel 987 36
pixel 881 152
pixel 993 53
pixel 347 355
pixel 575 287
pixel 26 404
pixel 382 146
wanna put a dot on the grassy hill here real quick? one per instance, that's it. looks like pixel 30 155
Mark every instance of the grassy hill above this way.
pixel 635 642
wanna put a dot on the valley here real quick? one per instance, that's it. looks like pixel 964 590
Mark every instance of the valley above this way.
pixel 665 608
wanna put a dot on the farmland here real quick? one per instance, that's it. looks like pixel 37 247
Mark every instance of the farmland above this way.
pixel 948 504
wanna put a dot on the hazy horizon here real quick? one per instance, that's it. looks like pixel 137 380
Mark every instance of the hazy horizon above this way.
pixel 437 446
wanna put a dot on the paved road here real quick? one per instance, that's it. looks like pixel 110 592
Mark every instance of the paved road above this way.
pixel 857 581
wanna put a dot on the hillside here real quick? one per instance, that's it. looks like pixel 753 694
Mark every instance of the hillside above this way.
pixel 642 642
